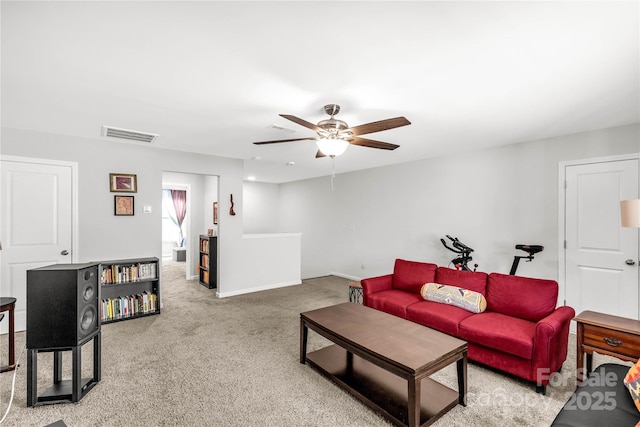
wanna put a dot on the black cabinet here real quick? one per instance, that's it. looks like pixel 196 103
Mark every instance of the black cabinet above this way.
pixel 208 264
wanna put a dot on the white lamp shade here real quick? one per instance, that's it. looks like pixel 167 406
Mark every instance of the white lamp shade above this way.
pixel 332 146
pixel 630 213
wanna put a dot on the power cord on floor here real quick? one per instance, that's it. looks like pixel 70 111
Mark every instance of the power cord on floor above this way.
pixel 13 384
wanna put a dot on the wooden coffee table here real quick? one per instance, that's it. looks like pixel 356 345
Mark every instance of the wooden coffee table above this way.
pixel 385 361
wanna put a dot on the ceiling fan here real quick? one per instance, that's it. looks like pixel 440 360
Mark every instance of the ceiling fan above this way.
pixel 334 136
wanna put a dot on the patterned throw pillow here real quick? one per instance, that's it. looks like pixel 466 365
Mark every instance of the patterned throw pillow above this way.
pixel 452 295
pixel 632 381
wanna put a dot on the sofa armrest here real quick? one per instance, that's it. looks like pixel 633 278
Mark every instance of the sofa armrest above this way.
pixel 550 343
pixel 375 284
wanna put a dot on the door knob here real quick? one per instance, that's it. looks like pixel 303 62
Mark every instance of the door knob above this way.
pixel 630 262
pixel 66 252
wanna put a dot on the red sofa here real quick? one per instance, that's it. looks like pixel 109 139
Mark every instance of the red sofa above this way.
pixel 521 332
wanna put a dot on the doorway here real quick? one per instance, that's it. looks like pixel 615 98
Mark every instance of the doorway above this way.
pixel 594 249
pixel 202 191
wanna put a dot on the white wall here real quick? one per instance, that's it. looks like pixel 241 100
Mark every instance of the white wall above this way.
pixel 260 207
pixel 273 259
pixel 491 199
pixel 104 236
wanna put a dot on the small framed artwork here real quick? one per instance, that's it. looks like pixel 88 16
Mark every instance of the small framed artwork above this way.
pixel 123 205
pixel 215 212
pixel 123 183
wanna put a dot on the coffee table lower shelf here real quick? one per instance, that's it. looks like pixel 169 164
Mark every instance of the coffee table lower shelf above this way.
pixel 382 391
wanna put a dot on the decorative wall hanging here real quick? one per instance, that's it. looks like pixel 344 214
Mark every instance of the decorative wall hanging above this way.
pixel 123 205
pixel 215 212
pixel 231 211
pixel 123 183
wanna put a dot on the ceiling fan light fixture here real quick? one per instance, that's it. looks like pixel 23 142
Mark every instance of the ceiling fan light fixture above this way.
pixel 332 146
pixel 333 135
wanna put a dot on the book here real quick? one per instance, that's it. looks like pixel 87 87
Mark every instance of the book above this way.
pixel 116 274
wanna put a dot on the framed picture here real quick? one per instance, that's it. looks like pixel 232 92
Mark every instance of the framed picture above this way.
pixel 215 212
pixel 123 183
pixel 123 205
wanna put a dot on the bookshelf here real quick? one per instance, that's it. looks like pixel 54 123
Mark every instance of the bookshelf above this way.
pixel 130 288
pixel 208 266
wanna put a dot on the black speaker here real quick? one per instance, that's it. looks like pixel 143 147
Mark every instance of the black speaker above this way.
pixel 62 305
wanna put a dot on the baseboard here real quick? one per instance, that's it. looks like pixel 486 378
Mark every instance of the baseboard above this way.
pixel 346 276
pixel 258 289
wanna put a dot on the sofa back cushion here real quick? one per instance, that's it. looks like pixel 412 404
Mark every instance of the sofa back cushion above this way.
pixel 474 281
pixel 411 275
pixel 523 297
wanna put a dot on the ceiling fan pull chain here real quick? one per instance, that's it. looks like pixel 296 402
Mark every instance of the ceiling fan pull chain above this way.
pixel 333 170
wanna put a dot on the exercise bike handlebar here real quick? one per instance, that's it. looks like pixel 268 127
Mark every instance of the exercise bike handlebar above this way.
pixel 449 247
pixel 463 251
pixel 461 247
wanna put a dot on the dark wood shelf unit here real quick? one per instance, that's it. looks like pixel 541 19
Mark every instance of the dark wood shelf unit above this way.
pixel 208 261
pixel 125 284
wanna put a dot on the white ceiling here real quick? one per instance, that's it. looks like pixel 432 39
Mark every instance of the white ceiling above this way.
pixel 212 77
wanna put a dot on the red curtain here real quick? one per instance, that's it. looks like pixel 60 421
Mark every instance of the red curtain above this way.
pixel 180 204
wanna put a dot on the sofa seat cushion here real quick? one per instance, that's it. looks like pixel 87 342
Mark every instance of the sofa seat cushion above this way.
pixel 500 332
pixel 442 317
pixel 411 275
pixel 523 297
pixel 393 301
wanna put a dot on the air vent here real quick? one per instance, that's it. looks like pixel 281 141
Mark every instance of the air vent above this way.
pixel 131 135
pixel 281 128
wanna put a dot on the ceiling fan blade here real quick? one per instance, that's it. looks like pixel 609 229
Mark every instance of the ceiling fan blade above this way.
pixel 284 140
pixel 380 125
pixel 302 122
pixel 364 142
pixel 320 154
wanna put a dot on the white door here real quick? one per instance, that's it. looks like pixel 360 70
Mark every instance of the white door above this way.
pixel 35 225
pixel 598 277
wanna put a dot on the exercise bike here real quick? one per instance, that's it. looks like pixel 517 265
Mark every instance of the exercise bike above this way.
pixel 531 250
pixel 463 251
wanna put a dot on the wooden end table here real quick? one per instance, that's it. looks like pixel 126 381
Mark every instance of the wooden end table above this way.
pixel 605 334
pixel 9 304
pixel 355 292
pixel 385 361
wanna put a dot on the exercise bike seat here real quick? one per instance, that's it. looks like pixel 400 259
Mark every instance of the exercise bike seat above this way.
pixel 530 249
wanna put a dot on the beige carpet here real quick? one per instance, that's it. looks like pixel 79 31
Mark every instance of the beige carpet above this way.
pixel 235 362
